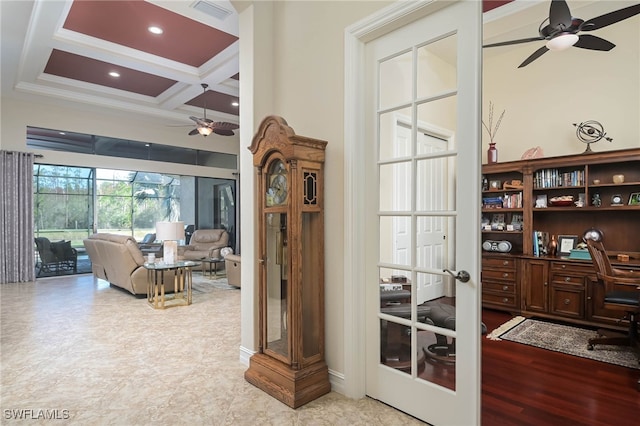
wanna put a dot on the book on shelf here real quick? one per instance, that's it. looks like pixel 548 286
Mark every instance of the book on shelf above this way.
pixel 540 243
pixel 551 178
pixel 506 201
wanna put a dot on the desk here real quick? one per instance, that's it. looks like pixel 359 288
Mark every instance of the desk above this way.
pixel 182 284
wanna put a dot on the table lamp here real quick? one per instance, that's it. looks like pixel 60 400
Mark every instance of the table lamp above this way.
pixel 169 233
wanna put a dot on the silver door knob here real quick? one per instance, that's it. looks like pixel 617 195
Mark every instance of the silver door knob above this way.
pixel 462 276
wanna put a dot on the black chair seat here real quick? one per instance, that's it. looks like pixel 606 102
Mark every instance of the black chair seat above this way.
pixel 395 295
pixel 622 298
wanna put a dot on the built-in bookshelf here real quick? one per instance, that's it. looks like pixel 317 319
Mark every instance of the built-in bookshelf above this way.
pixel 526 203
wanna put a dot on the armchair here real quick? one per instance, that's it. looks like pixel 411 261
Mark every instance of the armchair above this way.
pixel 148 245
pixel 55 257
pixel 622 293
pixel 205 243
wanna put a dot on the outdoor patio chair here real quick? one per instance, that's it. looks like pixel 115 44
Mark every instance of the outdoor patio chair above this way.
pixel 56 257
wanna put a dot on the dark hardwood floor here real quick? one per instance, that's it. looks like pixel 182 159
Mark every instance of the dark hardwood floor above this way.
pixel 524 385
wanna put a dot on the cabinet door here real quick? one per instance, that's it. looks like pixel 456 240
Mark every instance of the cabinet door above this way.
pixel 536 286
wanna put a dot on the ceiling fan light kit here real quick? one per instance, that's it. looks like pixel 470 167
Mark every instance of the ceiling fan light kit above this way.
pixel 562 42
pixel 562 30
pixel 204 131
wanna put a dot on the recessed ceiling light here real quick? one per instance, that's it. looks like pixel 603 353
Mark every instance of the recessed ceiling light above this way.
pixel 155 30
pixel 235 103
pixel 114 74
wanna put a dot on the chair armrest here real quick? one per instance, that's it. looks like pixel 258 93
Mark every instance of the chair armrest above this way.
pixel 625 273
pixel 635 281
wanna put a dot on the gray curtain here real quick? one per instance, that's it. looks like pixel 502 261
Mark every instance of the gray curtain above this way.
pixel 17 254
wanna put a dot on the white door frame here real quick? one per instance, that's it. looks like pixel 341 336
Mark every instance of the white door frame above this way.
pixel 356 36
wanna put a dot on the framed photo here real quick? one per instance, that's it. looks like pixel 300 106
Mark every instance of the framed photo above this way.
pixel 566 243
pixel 495 185
pixel 634 199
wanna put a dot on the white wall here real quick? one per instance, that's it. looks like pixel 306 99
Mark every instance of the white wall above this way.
pixel 17 114
pixel 543 99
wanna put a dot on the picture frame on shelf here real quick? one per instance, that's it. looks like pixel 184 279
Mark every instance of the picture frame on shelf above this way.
pixel 495 185
pixel 634 199
pixel 541 201
pixel 566 243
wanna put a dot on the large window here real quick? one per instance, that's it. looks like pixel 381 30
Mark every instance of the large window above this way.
pixel 127 203
pixel 72 203
pixel 63 202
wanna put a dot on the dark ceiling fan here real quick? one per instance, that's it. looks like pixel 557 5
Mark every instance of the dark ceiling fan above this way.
pixel 205 126
pixel 561 31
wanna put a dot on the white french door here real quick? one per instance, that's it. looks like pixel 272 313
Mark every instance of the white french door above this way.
pixel 423 219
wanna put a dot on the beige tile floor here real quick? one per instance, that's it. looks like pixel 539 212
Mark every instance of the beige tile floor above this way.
pixel 77 349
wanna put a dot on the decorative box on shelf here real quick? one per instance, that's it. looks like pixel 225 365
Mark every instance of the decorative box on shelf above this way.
pixel 580 254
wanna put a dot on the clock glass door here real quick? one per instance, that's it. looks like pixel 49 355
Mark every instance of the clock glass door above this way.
pixel 275 311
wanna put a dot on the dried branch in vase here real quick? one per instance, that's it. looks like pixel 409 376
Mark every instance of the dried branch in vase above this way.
pixel 490 129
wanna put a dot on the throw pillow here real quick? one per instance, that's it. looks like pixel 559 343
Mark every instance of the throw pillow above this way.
pixel 62 250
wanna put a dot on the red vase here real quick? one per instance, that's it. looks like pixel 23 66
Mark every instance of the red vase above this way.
pixel 492 153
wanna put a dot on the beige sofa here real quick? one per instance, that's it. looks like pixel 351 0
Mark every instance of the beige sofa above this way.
pixel 204 243
pixel 118 260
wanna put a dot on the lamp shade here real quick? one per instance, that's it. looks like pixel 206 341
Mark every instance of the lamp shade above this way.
pixel 170 231
pixel 204 131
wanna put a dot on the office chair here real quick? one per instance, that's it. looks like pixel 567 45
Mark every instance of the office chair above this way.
pixel 622 293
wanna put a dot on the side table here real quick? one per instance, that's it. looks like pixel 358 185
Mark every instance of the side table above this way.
pixel 182 283
pixel 212 261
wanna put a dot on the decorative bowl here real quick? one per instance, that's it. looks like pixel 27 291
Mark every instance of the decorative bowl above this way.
pixel 562 201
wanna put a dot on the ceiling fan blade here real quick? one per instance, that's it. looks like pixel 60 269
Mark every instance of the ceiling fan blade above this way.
pixel 587 41
pixel 194 132
pixel 610 18
pixel 223 132
pixel 507 43
pixel 535 55
pixel 559 15
pixel 223 125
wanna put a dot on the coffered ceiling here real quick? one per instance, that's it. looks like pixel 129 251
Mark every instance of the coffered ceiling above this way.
pixel 70 50
pixel 64 51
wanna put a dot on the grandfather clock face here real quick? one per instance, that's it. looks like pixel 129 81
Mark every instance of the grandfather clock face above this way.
pixel 278 185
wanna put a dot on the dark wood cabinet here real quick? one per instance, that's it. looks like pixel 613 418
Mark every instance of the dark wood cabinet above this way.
pixel 535 286
pixel 550 286
pixel 500 282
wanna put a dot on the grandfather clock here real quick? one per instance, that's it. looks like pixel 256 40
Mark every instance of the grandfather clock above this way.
pixel 289 364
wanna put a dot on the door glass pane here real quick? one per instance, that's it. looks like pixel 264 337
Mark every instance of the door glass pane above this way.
pixel 432 241
pixel 395 134
pixel 398 70
pixel 437 67
pixel 437 125
pixel 434 190
pixel 395 240
pixel 395 186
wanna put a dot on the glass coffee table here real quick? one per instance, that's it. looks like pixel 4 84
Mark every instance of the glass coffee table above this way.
pixel 158 275
pixel 213 263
